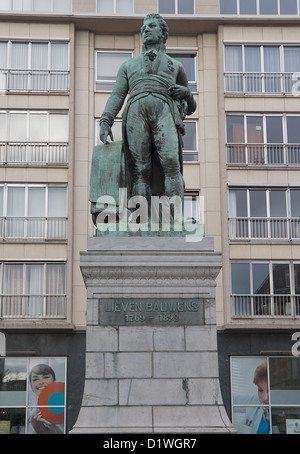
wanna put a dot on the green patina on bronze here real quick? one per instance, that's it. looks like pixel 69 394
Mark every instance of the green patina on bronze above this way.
pixel 148 161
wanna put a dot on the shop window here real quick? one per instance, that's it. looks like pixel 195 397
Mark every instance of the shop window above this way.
pixel 265 395
pixel 27 387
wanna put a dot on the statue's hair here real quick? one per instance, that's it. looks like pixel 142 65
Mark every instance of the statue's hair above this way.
pixel 162 23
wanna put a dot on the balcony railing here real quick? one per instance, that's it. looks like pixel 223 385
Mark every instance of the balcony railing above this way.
pixel 22 80
pixel 33 153
pixel 33 228
pixel 258 82
pixel 266 228
pixel 33 306
pixel 263 154
pixel 265 305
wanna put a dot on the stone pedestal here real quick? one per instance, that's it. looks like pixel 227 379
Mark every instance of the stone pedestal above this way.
pixel 151 353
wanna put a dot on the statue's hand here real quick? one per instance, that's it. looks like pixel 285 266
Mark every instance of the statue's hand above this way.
pixel 179 92
pixel 105 131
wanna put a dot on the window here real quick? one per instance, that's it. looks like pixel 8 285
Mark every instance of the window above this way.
pixel 37 67
pixel 107 66
pixel 263 7
pixel 263 139
pixel 20 395
pixel 188 61
pixel 192 206
pixel 265 394
pixel 33 290
pixel 264 213
pixel 115 6
pixel 176 6
pixel 39 6
pixel 265 289
pixel 33 137
pixel 262 69
pixel 33 212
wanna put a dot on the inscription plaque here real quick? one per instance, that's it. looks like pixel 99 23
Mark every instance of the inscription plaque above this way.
pixel 142 311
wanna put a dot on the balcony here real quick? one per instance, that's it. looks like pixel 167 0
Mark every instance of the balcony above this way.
pixel 21 80
pixel 262 83
pixel 264 228
pixel 265 306
pixel 263 154
pixel 33 153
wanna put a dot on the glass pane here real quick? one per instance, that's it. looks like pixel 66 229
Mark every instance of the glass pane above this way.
pixel 124 6
pixel 238 203
pixel 166 6
pixel 277 203
pixel 105 6
pixel 291 59
pixel 297 278
pixel 295 202
pixel 19 56
pixel 42 5
pixel 1 200
pixel 252 59
pixel 274 130
pixel 268 7
pixel 15 201
pixel 247 374
pixel 38 128
pixel 3 55
pixel 285 381
pixel 235 129
pixel 228 7
pixel 261 278
pixel 5 5
pixel 12 420
pixel 18 127
pixel 240 279
pixel 3 126
pixel 288 6
pixel 57 202
pixel 271 58
pixel 108 64
pixel 281 278
pixel 36 201
pixel 233 58
pixel 189 140
pixel 13 279
pixel 34 279
pixel 13 372
pixel 285 420
pixel 293 129
pixel 62 6
pixel 247 6
pixel 258 206
pixel 39 56
pixel 255 130
pixel 55 279
pixel 59 128
pixel 185 6
pixel 59 56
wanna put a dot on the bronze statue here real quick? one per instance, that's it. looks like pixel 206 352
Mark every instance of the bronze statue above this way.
pixel 159 100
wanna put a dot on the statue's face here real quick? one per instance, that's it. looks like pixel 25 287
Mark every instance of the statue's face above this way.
pixel 151 32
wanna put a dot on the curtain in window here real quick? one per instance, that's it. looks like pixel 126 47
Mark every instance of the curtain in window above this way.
pixel 272 65
pixel 36 213
pixel 59 65
pixel 56 223
pixel 1 212
pixel 41 5
pixel 34 290
pixel 3 65
pixel 12 290
pixel 22 5
pixel 291 67
pixel 15 224
pixel 233 64
pixel 253 68
pixel 62 6
pixel 19 66
pixel 39 62
pixel 55 289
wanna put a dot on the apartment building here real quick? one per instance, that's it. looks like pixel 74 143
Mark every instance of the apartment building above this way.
pixel 58 64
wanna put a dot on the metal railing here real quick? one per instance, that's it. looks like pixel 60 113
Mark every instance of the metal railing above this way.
pixel 267 228
pixel 259 82
pixel 33 228
pixel 265 305
pixel 33 306
pixel 263 154
pixel 33 153
pixel 20 80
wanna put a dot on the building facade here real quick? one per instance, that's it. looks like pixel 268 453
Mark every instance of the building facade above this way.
pixel 58 64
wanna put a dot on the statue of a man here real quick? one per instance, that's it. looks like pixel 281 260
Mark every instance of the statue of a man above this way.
pixel 159 99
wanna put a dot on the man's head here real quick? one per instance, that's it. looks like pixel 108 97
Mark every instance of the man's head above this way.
pixel 154 29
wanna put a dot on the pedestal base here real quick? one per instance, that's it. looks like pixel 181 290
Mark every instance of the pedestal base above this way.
pixel 151 354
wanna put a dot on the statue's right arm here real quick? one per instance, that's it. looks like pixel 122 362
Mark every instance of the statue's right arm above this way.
pixel 114 104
